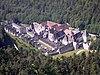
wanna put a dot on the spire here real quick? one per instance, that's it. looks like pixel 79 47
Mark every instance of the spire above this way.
pixel 84 36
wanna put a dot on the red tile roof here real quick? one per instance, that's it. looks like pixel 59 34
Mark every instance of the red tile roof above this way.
pixel 68 32
pixel 65 26
pixel 57 26
pixel 48 24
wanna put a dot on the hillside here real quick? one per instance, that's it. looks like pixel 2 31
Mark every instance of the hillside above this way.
pixel 5 39
pixel 77 12
pixel 1 36
pixel 28 60
pixel 71 53
pixel 22 44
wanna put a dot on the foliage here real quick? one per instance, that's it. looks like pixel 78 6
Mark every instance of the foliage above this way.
pixel 5 39
pixel 95 45
pixel 94 28
pixel 1 29
pixel 28 62
pixel 79 13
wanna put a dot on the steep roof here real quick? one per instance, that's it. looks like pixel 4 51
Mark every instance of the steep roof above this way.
pixel 53 31
pixel 56 26
pixel 48 24
pixel 48 43
pixel 68 32
pixel 16 25
pixel 59 35
pixel 66 48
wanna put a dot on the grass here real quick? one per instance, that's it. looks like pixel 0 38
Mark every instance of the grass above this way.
pixel 25 25
pixel 27 35
pixel 83 50
pixel 71 53
pixel 20 43
pixel 67 54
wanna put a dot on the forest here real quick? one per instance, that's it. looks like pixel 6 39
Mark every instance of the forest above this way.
pixel 29 62
pixel 79 13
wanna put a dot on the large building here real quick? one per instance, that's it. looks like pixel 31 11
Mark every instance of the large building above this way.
pixel 52 37
pixel 38 28
pixel 19 28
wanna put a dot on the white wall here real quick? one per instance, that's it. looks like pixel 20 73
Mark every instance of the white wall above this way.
pixel 38 28
pixel 84 36
pixel 64 41
pixel 86 46
pixel 51 36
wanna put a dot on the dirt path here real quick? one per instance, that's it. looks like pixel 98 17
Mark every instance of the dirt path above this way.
pixel 81 51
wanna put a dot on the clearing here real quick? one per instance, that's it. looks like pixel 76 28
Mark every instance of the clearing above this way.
pixel 71 53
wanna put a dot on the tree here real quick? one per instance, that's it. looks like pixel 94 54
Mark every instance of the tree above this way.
pixel 95 45
pixel 16 20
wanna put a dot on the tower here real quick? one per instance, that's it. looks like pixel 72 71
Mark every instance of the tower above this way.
pixel 84 36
